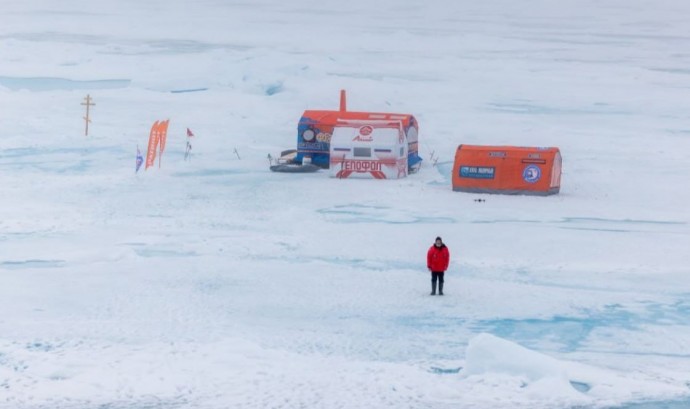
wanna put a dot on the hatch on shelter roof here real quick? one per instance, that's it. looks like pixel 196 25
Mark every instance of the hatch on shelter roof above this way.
pixel 507 170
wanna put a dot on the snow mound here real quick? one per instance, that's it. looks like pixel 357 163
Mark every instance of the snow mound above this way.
pixel 488 356
pixel 496 366
pixel 488 353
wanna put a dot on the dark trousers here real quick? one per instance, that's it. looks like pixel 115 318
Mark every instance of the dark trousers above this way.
pixel 437 276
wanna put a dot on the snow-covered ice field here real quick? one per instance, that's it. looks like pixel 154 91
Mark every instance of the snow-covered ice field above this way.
pixel 214 283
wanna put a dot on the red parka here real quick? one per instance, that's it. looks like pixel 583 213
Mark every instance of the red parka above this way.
pixel 437 258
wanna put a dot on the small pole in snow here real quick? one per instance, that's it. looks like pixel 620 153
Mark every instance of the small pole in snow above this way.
pixel 237 153
pixel 433 159
pixel 88 104
pixel 188 151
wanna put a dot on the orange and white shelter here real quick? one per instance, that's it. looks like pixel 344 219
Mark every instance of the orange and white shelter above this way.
pixel 368 149
pixel 507 170
pixel 316 127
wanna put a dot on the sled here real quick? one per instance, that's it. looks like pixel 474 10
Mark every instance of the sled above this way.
pixel 294 168
pixel 287 164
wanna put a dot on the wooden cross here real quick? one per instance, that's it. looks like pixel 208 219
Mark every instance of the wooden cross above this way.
pixel 88 104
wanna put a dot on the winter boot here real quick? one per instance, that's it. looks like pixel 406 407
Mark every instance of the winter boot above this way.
pixel 440 288
pixel 433 287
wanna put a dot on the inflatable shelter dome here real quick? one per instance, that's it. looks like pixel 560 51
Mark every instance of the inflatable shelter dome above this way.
pixel 315 129
pixel 507 170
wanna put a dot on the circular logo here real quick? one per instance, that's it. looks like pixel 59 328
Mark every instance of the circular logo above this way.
pixel 366 130
pixel 531 174
pixel 308 135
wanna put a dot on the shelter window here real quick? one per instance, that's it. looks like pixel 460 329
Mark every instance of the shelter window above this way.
pixel 362 152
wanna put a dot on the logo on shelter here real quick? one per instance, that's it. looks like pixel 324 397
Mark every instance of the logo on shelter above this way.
pixel 365 134
pixel 531 174
pixel 323 137
pixel 477 172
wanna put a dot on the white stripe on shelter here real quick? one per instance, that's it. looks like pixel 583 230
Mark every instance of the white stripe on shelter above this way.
pixel 368 149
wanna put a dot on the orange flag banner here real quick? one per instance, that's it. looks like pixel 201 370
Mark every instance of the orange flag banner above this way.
pixel 163 131
pixel 153 146
pixel 163 136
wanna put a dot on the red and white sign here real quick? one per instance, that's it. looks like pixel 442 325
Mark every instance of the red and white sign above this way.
pixel 365 134
pixel 368 149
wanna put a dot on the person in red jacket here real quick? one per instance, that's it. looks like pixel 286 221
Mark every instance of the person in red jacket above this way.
pixel 437 259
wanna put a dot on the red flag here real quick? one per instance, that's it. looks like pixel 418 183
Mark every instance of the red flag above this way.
pixel 189 133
